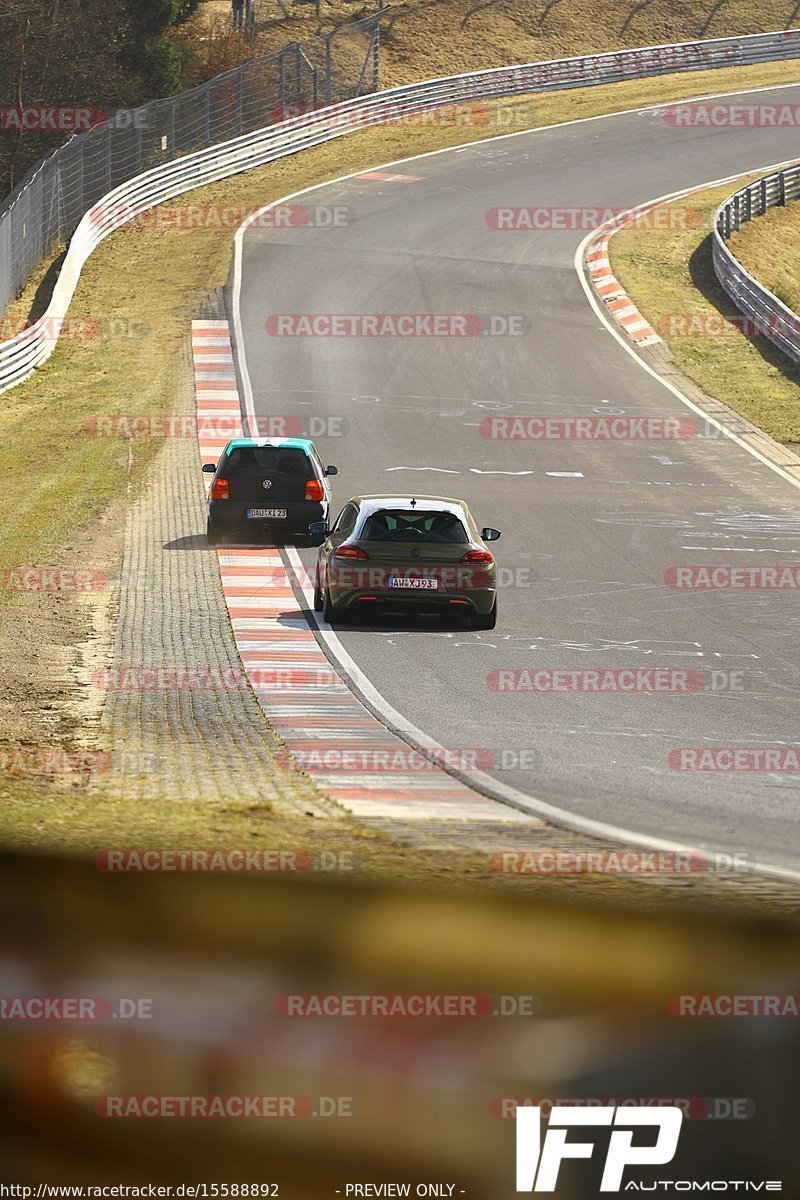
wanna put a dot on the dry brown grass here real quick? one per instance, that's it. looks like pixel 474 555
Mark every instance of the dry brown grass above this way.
pixel 769 248
pixel 668 271
pixel 426 38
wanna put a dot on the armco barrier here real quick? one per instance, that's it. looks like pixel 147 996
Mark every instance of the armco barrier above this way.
pixel 770 317
pixel 29 349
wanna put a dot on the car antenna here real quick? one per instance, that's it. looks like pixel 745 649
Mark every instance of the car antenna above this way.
pixel 413 502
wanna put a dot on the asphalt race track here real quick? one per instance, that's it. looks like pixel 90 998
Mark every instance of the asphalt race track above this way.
pixel 589 528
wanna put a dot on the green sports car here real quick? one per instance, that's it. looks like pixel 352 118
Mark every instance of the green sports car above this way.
pixel 421 553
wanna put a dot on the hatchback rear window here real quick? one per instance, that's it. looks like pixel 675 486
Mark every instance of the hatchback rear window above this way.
pixel 272 460
pixel 431 528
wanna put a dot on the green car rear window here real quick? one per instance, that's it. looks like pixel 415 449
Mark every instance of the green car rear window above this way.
pixel 271 459
pixel 431 527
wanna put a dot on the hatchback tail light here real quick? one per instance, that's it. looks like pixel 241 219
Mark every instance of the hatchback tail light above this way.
pixel 478 556
pixel 346 551
pixel 220 490
pixel 314 490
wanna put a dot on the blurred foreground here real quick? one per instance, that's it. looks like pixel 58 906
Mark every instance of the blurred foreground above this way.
pixel 208 987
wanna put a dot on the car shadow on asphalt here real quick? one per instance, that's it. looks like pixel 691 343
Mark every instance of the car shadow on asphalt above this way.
pixel 394 623
pixel 199 541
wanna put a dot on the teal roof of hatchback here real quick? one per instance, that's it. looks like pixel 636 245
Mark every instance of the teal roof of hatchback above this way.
pixel 293 443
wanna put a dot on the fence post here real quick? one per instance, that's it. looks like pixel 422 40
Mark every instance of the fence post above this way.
pixel 782 185
pixel 764 204
pixel 138 123
pixel 376 55
pixel 282 86
pixel 329 68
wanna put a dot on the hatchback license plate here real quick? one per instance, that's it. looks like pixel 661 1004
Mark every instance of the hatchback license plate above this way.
pixel 425 583
pixel 266 514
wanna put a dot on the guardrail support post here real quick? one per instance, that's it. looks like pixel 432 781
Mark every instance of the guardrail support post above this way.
pixel 782 185
pixel 376 55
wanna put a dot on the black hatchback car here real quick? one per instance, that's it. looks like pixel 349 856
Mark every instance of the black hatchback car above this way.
pixel 267 488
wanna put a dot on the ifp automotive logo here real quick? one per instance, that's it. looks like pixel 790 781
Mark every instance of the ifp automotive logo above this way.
pixel 538 1165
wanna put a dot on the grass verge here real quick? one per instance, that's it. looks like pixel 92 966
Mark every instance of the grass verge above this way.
pixel 769 248
pixel 669 274
pixel 423 39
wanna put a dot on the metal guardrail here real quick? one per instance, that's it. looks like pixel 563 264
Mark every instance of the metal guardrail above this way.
pixel 766 315
pixel 29 349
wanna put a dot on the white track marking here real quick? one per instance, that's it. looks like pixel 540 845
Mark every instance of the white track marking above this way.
pixel 350 669
pixel 238 244
pixel 628 346
pixel 486 784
